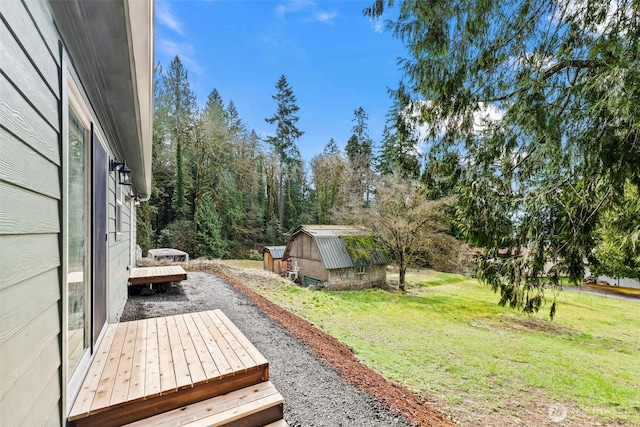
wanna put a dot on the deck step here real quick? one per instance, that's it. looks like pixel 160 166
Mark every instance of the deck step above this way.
pixel 279 423
pixel 258 405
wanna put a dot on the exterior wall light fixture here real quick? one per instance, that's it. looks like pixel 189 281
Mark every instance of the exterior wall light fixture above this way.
pixel 124 173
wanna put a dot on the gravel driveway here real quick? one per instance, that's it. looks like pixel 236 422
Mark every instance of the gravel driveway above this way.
pixel 314 394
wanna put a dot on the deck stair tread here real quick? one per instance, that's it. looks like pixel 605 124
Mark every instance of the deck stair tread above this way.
pixel 279 423
pixel 221 410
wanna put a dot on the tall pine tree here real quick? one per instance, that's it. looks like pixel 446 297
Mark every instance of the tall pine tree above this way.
pixel 398 153
pixel 284 145
pixel 359 151
pixel 181 105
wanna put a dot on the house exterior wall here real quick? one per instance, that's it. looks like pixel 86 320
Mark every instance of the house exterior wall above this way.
pixel 36 69
pixel 348 278
pixel 119 248
pixel 30 219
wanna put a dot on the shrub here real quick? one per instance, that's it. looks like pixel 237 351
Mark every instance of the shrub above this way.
pixel 254 255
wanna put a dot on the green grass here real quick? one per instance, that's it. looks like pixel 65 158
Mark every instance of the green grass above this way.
pixel 447 336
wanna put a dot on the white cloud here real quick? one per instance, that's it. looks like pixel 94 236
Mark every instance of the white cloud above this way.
pixel 326 17
pixel 293 6
pixel 167 18
pixel 185 51
pixel 309 9
pixel 482 119
pixel 615 11
pixel 487 115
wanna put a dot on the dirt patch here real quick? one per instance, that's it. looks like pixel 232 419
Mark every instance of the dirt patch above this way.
pixel 516 323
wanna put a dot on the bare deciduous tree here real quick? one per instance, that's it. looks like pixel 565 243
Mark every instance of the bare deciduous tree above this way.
pixel 410 227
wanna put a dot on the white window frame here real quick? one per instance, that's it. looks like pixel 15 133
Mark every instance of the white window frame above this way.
pixel 75 101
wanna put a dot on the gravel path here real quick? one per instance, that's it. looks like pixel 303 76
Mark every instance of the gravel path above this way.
pixel 314 393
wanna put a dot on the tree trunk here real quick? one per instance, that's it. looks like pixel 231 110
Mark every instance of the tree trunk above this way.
pixel 281 203
pixel 402 272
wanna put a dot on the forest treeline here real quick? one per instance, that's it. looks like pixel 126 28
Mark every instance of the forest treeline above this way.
pixel 219 190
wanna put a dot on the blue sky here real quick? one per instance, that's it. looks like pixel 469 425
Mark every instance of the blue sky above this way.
pixel 334 58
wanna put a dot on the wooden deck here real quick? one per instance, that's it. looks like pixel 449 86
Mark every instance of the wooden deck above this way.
pixel 162 274
pixel 152 366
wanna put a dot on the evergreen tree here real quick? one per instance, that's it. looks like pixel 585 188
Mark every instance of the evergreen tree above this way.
pixel 328 170
pixel 331 149
pixel 441 175
pixel 179 203
pixel 162 158
pixel 541 99
pixel 398 152
pixel 616 253
pixel 359 151
pixel 359 147
pixel 210 242
pixel 181 105
pixel 284 141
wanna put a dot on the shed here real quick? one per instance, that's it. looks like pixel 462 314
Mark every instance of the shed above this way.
pixel 272 259
pixel 338 256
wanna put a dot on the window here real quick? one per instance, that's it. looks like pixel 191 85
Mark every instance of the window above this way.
pixel 360 269
pixel 77 243
pixel 118 217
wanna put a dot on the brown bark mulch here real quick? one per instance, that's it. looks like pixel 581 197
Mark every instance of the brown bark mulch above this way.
pixel 340 357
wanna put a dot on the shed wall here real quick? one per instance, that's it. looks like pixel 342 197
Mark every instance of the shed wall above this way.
pixel 348 278
pixel 276 265
pixel 303 250
pixel 267 261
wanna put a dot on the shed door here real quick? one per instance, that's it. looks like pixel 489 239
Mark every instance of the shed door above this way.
pixel 99 236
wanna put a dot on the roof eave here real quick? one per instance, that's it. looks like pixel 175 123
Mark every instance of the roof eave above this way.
pixel 111 47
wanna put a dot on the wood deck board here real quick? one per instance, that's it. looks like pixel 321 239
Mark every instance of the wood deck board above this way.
pixel 204 355
pixel 222 365
pixel 253 352
pixel 107 380
pixel 161 274
pixel 180 365
pixel 120 392
pixel 90 386
pixel 152 371
pixel 165 358
pixel 152 364
pixel 191 355
pixel 225 347
pixel 139 363
pixel 237 348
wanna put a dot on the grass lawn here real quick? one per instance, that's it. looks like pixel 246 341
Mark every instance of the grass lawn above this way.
pixel 448 337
